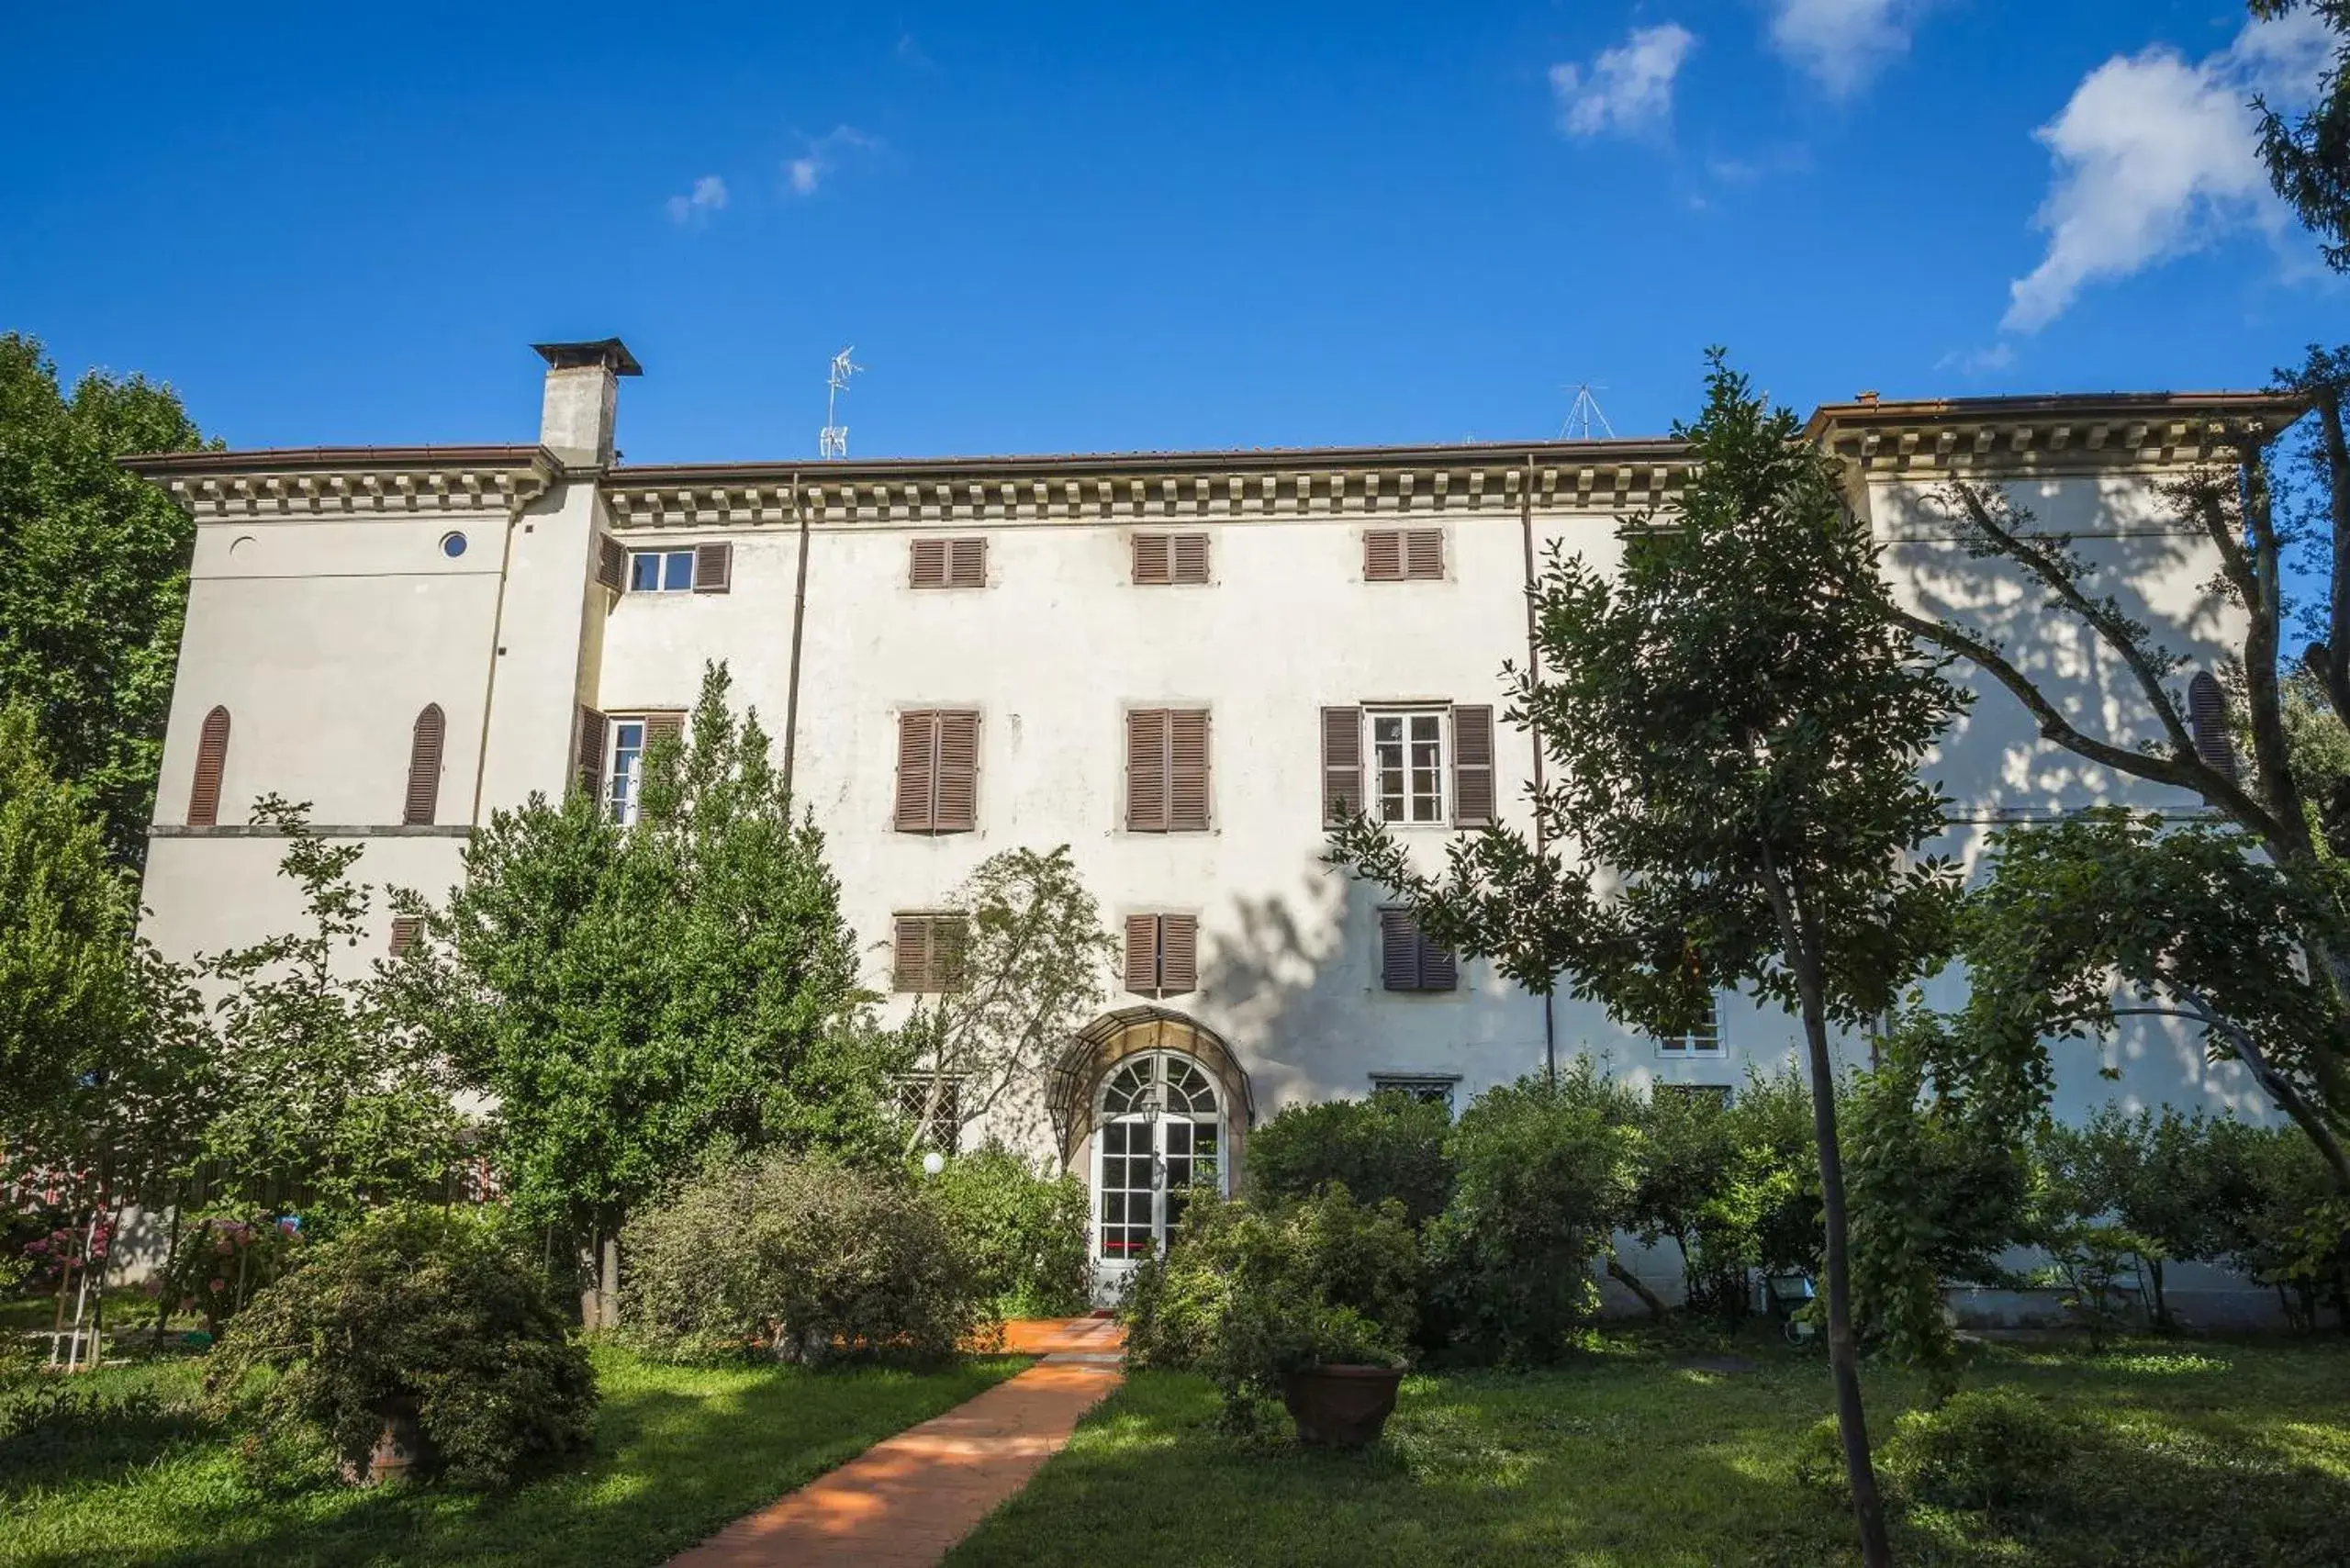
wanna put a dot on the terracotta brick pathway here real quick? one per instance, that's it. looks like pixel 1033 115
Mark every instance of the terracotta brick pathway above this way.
pixel 907 1499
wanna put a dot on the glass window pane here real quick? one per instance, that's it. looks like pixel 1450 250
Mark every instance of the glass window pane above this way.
pixel 644 572
pixel 677 571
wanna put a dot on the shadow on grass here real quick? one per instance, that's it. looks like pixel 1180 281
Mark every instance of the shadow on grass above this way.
pixel 678 1453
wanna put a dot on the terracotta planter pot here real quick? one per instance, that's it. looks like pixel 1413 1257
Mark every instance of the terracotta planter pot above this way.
pixel 400 1452
pixel 1342 1407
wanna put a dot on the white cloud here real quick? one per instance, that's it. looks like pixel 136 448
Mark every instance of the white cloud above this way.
pixel 693 208
pixel 1979 362
pixel 2158 156
pixel 1842 43
pixel 1628 88
pixel 806 173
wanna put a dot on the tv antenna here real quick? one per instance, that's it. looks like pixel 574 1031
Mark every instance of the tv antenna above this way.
pixel 1584 413
pixel 833 440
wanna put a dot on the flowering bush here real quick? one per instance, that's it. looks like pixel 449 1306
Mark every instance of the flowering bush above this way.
pixel 221 1262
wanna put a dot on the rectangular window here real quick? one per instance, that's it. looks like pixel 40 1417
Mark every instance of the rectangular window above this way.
pixel 1705 1040
pixel 1403 555
pixel 692 568
pixel 949 563
pixel 932 1102
pixel 1162 954
pixel 1433 1089
pixel 938 770
pixel 1408 764
pixel 624 769
pixel 927 952
pixel 1170 558
pixel 1409 961
pixel 1167 770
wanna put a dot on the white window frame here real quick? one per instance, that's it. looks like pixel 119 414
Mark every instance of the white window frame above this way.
pixel 664 559
pixel 1703 1043
pixel 624 791
pixel 1439 1087
pixel 1436 800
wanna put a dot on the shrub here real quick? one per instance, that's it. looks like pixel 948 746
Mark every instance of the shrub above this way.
pixel 415 1308
pixel 1545 1181
pixel 1024 1234
pixel 1989 1450
pixel 1693 1184
pixel 1390 1146
pixel 219 1261
pixel 1247 1292
pixel 803 1256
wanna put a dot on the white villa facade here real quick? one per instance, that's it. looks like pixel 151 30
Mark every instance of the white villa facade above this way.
pixel 1169 661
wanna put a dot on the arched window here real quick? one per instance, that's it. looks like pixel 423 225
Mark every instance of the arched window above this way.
pixel 424 767
pixel 211 760
pixel 2207 719
pixel 1159 1134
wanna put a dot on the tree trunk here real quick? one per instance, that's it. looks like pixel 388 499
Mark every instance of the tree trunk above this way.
pixel 2162 1307
pixel 1844 1351
pixel 608 1287
pixel 1633 1282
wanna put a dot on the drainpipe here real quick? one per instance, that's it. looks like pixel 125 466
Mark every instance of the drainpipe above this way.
pixel 1534 729
pixel 799 617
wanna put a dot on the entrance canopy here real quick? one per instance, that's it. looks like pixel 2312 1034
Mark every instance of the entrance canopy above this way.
pixel 1096 1049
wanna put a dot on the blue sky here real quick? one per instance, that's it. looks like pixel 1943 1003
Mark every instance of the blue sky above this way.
pixel 1109 228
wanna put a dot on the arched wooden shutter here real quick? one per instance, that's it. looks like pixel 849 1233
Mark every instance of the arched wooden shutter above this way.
pixel 424 767
pixel 211 761
pixel 2207 717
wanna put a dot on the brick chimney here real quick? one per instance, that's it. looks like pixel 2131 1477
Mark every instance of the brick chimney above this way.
pixel 582 391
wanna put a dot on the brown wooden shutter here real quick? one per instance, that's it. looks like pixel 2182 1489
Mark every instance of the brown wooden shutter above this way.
pixel 591 752
pixel 1382 554
pixel 950 937
pixel 957 807
pixel 1424 553
pixel 2207 719
pixel 424 767
pixel 1151 564
pixel 1341 764
pixel 1142 954
pixel 611 562
pixel 967 563
pixel 1146 770
pixel 1191 562
pixel 664 726
pixel 911 953
pixel 714 568
pixel 406 928
pixel 1399 950
pixel 917 771
pixel 1439 971
pixel 1179 953
pixel 929 566
pixel 211 761
pixel 1473 766
pixel 1187 770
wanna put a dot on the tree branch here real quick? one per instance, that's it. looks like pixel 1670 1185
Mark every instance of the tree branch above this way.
pixel 2280 1089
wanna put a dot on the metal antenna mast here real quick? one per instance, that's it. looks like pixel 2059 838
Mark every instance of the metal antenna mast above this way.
pixel 833 440
pixel 1584 413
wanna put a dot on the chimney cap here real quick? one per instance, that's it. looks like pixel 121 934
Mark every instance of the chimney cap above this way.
pixel 609 353
pixel 1867 396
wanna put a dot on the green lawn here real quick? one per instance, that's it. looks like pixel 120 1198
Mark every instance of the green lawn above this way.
pixel 2206 1453
pixel 678 1452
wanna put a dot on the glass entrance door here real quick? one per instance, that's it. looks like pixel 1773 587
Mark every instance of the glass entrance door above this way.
pixel 1159 1138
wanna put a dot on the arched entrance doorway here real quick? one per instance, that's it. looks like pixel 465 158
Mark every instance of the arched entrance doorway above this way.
pixel 1152 1108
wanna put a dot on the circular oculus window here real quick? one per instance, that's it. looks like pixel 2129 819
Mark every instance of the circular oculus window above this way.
pixel 452 546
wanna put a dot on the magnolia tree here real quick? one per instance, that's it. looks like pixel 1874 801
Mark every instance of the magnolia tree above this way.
pixel 1733 738
pixel 1024 965
pixel 633 997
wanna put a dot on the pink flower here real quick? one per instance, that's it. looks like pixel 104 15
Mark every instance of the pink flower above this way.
pixel 224 1247
pixel 218 1285
pixel 36 1246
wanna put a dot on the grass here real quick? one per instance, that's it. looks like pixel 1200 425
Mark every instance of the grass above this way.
pixel 678 1452
pixel 2214 1452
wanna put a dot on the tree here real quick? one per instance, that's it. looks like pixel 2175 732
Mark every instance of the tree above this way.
pixel 92 604
pixel 633 996
pixel 2308 156
pixel 1695 1184
pixel 1024 972
pixel 67 987
pixel 2114 875
pixel 325 1093
pixel 1734 736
